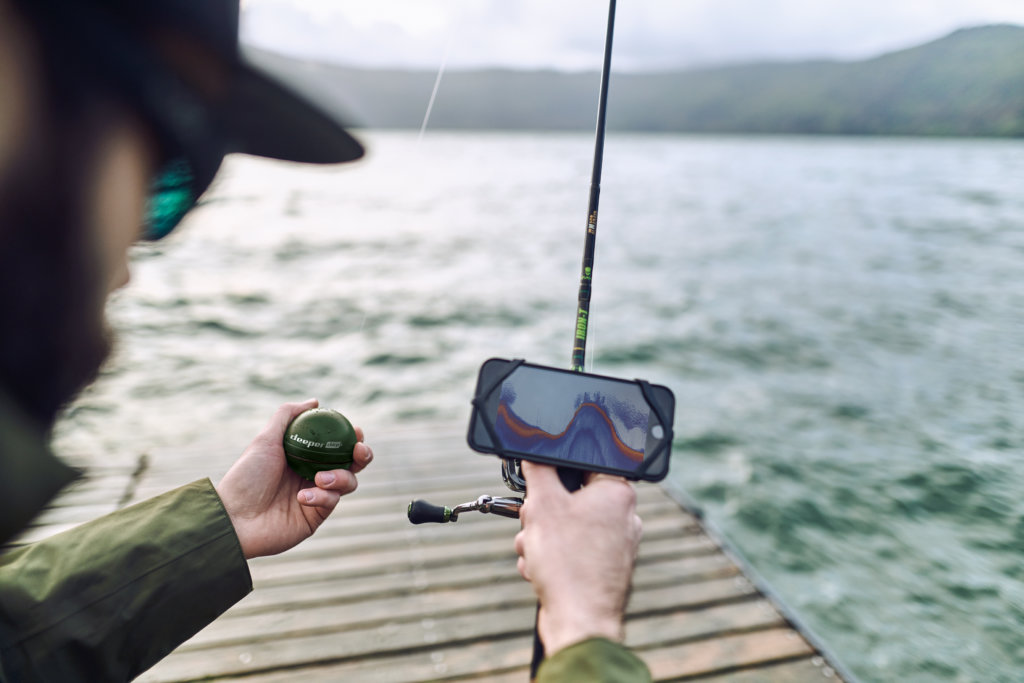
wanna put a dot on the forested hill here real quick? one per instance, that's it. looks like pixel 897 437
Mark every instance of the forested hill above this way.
pixel 969 83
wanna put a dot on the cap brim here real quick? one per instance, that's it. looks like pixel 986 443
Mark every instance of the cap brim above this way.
pixel 266 118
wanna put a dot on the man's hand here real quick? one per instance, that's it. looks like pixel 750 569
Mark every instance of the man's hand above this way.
pixel 578 550
pixel 273 508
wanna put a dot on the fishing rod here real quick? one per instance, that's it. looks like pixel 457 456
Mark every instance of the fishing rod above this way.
pixel 421 511
pixel 511 469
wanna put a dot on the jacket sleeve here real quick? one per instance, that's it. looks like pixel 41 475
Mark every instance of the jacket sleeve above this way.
pixel 108 599
pixel 596 660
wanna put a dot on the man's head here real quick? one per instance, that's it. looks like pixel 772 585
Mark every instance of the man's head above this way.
pixel 115 117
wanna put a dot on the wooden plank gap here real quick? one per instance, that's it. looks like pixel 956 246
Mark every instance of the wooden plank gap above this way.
pixel 313 660
pixel 756 668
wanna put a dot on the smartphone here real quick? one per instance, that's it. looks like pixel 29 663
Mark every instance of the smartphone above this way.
pixel 572 419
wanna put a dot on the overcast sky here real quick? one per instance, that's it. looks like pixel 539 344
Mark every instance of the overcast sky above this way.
pixel 568 34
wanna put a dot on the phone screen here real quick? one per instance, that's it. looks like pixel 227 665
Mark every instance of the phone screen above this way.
pixel 574 419
pixel 570 417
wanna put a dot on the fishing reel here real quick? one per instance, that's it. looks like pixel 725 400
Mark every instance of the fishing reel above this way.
pixel 422 512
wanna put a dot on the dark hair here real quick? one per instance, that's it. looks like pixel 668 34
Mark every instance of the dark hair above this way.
pixel 53 337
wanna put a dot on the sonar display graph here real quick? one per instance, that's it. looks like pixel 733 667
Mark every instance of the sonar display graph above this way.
pixel 606 426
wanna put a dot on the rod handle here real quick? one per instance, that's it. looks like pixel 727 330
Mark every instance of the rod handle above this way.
pixel 572 478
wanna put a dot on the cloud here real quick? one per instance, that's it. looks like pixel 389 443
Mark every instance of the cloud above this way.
pixel 283 26
pixel 569 34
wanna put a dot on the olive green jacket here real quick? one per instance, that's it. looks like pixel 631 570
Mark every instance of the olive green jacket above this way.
pixel 108 599
pixel 593 661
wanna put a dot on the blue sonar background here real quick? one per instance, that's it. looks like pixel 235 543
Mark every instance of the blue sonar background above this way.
pixel 590 436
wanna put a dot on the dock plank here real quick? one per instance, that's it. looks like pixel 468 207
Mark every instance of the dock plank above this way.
pixel 726 652
pixel 806 670
pixel 333 591
pixel 370 614
pixel 372 598
pixel 391 639
pixel 493 658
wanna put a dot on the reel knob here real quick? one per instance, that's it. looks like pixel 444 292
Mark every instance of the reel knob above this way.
pixel 422 512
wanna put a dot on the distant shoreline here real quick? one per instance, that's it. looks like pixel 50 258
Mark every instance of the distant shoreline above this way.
pixel 365 130
pixel 967 84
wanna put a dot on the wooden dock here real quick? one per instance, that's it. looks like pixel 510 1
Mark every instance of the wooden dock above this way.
pixel 373 598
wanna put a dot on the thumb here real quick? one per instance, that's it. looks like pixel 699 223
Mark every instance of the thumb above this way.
pixel 542 480
pixel 285 413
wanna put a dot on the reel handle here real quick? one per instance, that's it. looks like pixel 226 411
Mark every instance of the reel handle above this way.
pixel 422 512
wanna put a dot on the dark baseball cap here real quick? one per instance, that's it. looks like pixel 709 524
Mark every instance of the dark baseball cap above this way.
pixel 179 63
pixel 258 114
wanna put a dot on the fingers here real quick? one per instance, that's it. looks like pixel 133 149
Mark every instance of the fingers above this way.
pixel 615 492
pixel 285 413
pixel 521 551
pixel 316 497
pixel 521 565
pixel 522 513
pixel 330 486
pixel 338 481
pixel 542 480
pixel 362 454
pixel 591 477
pixel 359 433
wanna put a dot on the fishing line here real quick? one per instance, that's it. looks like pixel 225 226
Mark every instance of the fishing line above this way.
pixel 433 93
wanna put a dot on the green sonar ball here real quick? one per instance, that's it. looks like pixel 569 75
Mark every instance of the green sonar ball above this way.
pixel 319 439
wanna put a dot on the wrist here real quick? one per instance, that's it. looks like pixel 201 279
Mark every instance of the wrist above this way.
pixel 561 631
pixel 236 523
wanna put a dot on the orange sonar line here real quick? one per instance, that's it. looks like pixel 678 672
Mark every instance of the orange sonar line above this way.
pixel 520 427
pixel 525 430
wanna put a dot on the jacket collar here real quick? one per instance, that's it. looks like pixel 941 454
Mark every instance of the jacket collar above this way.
pixel 30 474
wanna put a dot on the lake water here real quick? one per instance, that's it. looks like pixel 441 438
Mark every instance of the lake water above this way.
pixel 842 321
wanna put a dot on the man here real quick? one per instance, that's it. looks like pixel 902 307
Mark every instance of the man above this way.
pixel 114 118
pixel 98 98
